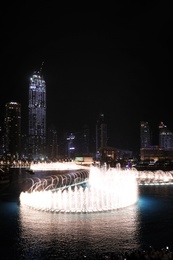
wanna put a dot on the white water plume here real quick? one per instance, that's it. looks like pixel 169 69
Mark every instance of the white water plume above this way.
pixel 104 190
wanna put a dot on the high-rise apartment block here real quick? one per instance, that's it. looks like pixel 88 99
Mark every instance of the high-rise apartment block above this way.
pixel 12 133
pixel 145 138
pixel 37 117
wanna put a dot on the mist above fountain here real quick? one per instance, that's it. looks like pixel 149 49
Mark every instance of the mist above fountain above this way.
pixel 104 190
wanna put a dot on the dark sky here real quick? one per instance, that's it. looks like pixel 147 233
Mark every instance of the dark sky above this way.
pixel 117 63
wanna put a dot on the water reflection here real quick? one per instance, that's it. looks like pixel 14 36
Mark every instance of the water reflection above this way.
pixel 31 234
pixel 77 235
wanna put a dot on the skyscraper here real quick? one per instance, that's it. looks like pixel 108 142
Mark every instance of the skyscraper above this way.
pixel 12 123
pixel 101 134
pixel 145 135
pixel 37 117
pixel 52 144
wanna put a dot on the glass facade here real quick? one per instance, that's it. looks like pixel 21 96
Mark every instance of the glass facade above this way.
pixel 37 117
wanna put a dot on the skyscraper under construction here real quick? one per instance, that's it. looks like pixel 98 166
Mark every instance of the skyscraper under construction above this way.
pixel 37 117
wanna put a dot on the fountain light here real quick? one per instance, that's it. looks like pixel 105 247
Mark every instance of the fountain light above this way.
pixel 104 190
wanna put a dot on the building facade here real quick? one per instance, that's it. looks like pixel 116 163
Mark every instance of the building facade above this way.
pixel 37 117
pixel 161 152
pixel 12 131
pixel 101 135
pixel 145 138
pixel 52 143
pixel 165 137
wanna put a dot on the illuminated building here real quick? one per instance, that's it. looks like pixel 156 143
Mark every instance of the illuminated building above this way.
pixel 12 130
pixel 145 135
pixel 37 117
pixel 165 137
pixel 77 144
pixel 161 152
pixel 70 145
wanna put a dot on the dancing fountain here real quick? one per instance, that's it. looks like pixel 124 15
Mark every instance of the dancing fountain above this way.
pixel 100 190
pixel 157 177
pixel 83 189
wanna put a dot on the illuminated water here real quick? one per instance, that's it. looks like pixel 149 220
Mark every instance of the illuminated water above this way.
pixel 29 234
pixel 105 190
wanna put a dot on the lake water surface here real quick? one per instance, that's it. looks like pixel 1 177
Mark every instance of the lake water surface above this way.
pixel 30 234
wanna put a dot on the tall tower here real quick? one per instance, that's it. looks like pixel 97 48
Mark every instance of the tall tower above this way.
pixel 101 134
pixel 52 143
pixel 145 135
pixel 12 123
pixel 37 117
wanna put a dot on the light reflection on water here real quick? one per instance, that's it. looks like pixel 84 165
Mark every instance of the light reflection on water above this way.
pixel 77 235
pixel 34 235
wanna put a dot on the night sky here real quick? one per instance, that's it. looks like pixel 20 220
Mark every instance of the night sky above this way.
pixel 118 64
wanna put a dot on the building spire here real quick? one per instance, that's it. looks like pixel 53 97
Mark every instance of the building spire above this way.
pixel 41 67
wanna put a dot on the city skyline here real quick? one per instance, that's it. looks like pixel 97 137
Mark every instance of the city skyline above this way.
pixel 118 64
pixel 12 128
